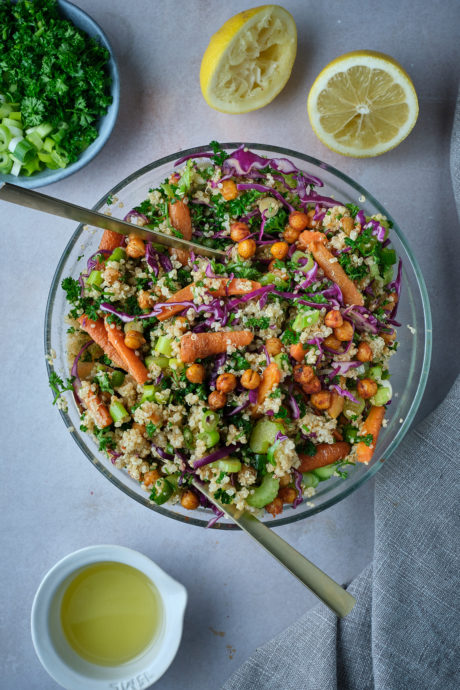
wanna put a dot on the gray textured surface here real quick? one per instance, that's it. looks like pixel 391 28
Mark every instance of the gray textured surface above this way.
pixel 404 629
pixel 53 500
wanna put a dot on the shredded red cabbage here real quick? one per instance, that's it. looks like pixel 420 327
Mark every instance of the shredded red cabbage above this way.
pixel 396 286
pixel 363 319
pixel 298 485
pixel 343 367
pixel 135 214
pixel 162 453
pixel 165 262
pixel 294 406
pixel 151 259
pixel 310 276
pixel 218 362
pixel 215 455
pixel 344 393
pixel 240 408
pixel 76 383
pixel 202 154
pixel 269 190
pixel 360 218
pixel 280 436
pixel 253 396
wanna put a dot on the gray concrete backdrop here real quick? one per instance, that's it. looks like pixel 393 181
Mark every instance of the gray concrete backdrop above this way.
pixel 53 500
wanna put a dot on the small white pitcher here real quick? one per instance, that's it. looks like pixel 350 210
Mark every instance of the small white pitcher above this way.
pixel 65 665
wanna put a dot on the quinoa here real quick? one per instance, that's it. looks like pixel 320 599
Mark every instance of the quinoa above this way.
pixel 169 410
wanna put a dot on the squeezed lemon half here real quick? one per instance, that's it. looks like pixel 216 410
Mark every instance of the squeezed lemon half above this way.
pixel 249 59
pixel 362 104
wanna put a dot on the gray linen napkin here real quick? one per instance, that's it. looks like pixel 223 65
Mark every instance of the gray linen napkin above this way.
pixel 402 633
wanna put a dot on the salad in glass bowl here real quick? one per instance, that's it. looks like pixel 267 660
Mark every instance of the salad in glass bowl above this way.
pixel 262 374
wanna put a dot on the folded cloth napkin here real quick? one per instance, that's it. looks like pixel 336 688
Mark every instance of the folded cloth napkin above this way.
pixel 403 632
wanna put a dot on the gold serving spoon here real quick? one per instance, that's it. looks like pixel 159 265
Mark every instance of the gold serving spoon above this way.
pixel 57 207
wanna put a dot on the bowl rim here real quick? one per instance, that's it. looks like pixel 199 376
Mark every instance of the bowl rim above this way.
pixel 109 118
pixel 427 341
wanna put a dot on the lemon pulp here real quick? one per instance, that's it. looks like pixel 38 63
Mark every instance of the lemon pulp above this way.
pixel 249 59
pixel 362 104
pixel 110 613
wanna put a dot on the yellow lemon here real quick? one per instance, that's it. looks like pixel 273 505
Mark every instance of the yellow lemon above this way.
pixel 249 59
pixel 362 104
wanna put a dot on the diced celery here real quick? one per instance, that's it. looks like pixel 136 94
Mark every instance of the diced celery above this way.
pixel 31 166
pixel 162 362
pixel 161 397
pixel 15 170
pixel 310 479
pixel 228 465
pixel 351 409
pixel 148 394
pixel 174 364
pixel 163 346
pixel 305 319
pixel 375 373
pixel 61 160
pixel 325 472
pixel 265 493
pixel 94 278
pixel 118 254
pixel 16 115
pixel 383 395
pixel 117 411
pixel 272 279
pixel 263 435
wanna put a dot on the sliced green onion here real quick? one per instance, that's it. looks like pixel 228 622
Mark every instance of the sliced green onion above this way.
pixel 310 479
pixel 24 151
pixel 5 137
pixel 325 472
pixel 209 420
pixel 5 163
pixel 210 437
pixel 228 465
pixel 162 491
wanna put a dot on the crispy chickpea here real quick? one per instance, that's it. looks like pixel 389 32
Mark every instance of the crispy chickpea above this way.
pixel 155 418
pixel 111 275
pixel 250 379
pixel 366 388
pixel 333 318
pixel 364 353
pixel 291 235
pixel 217 400
pixel 226 383
pixel 247 248
pixel 189 501
pixel 134 340
pixel 298 220
pixel 389 337
pixel 297 352
pixel 195 373
pixel 151 477
pixel 321 400
pixel 144 299
pixel 285 481
pixel 347 224
pixel 310 219
pixel 392 301
pixel 279 250
pixel 229 190
pixel 332 342
pixel 274 346
pixel 287 494
pixel 238 231
pixel 275 507
pixel 303 374
pixel 344 332
pixel 135 247
pixel 313 386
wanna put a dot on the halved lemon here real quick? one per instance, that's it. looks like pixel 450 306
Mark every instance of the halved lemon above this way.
pixel 249 60
pixel 362 104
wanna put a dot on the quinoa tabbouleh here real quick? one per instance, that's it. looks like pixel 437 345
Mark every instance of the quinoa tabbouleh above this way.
pixel 261 375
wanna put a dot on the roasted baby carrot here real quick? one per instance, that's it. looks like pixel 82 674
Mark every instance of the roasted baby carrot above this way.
pixel 308 236
pixel 237 286
pixel 199 345
pixel 132 363
pixel 98 410
pixel 326 454
pixel 334 271
pixel 372 425
pixel 270 378
pixel 111 240
pixel 297 352
pixel 179 215
pixel 96 330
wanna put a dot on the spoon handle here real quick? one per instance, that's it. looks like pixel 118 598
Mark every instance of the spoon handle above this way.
pixel 325 588
pixel 65 209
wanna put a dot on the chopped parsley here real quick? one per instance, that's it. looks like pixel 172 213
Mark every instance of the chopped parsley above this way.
pixel 223 496
pixel 58 386
pixel 260 322
pixel 354 210
pixel 219 154
pixel 150 429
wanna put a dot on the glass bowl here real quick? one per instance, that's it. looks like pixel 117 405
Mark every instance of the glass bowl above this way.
pixel 409 366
